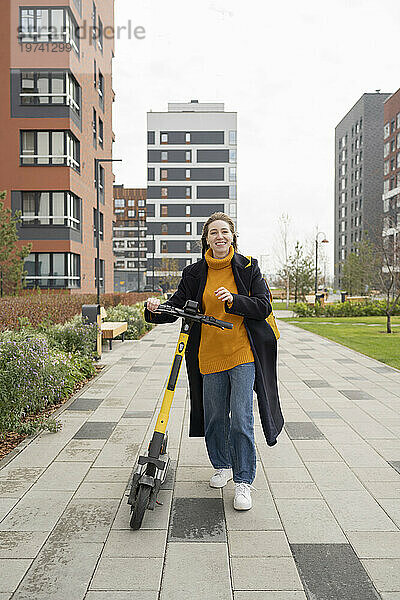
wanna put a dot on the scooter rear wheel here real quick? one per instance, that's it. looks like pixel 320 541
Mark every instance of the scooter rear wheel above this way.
pixel 139 508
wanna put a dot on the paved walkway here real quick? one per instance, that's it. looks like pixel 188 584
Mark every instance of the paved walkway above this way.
pixel 326 516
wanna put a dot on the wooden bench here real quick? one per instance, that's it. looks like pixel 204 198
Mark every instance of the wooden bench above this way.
pixel 112 329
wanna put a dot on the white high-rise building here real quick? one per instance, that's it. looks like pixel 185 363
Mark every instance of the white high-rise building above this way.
pixel 191 174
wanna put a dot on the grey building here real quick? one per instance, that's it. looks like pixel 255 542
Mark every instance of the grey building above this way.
pixel 358 176
pixel 191 174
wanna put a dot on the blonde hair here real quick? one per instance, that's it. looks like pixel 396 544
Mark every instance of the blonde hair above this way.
pixel 217 216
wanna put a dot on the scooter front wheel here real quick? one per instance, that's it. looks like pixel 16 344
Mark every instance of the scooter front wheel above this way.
pixel 139 508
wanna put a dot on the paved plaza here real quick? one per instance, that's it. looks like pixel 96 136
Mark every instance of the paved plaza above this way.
pixel 326 514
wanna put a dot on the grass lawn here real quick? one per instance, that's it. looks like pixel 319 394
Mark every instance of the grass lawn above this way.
pixel 364 334
pixel 279 305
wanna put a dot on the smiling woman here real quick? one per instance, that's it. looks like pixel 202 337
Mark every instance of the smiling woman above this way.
pixel 224 366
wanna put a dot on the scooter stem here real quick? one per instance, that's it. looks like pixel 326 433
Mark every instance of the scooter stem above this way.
pixel 163 416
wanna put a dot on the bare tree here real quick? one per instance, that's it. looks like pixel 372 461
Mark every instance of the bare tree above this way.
pixel 390 272
pixel 282 252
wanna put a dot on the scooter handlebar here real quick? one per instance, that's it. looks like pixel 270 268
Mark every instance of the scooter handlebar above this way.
pixel 180 312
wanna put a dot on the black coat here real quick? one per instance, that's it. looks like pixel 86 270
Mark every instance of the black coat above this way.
pixel 251 302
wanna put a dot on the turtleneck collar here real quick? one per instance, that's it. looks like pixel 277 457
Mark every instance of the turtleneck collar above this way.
pixel 218 263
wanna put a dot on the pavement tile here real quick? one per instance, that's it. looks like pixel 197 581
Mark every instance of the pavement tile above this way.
pixel 195 489
pixel 38 455
pixel 288 474
pixel 108 475
pixel 77 455
pixel 86 519
pixel 295 490
pixel 127 574
pixel 316 524
pixel 101 490
pixel 385 573
pixel 61 570
pixel 197 519
pixel 36 511
pixel 6 504
pixel 392 507
pixel 262 517
pixel 118 455
pixel 153 519
pixel 373 544
pixel 95 431
pixel 143 543
pixel 258 543
pixel 264 595
pixel 21 544
pixel 269 573
pixel 85 404
pixel 377 474
pixel 332 571
pixel 63 476
pixel 358 511
pixel 196 571
pixel 131 595
pixel 334 476
pixel 360 455
pixel 193 473
pixel 12 571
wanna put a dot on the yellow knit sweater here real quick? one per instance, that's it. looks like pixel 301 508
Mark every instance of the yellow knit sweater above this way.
pixel 221 349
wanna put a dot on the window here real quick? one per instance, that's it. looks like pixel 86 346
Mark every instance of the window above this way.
pixel 232 191
pixel 187 138
pixel 188 155
pixel 94 21
pixel 94 128
pixel 51 208
pixel 119 202
pixel 164 246
pixel 188 192
pixel 188 211
pixel 164 156
pixel 101 274
pixel 232 138
pixel 187 173
pixel 141 202
pixel 386 186
pixel 95 74
pixel 101 224
pixel 119 210
pixel 398 160
pixel 164 192
pixel 50 148
pixel 43 25
pixel 100 35
pixel 232 210
pixel 131 213
pixel 101 183
pixel 101 133
pixel 164 174
pixel 392 125
pixel 386 149
pixel 232 173
pixel 150 137
pixel 38 88
pixel 164 138
pixel 53 270
pixel 150 174
pixel 386 205
pixel 392 164
pixel 232 156
pixel 386 130
pixel 188 246
pixel 164 210
pixel 188 261
pixel 188 228
pixel 101 90
pixel 392 145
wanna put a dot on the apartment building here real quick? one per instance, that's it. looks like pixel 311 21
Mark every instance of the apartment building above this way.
pixel 130 243
pixel 358 176
pixel 55 73
pixel 191 157
pixel 391 179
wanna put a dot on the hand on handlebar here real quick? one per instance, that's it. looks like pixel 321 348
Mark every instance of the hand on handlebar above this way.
pixel 152 304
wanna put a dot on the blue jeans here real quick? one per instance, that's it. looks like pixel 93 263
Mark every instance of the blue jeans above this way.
pixel 230 437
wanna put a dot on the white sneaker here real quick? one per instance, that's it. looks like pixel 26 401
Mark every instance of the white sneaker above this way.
pixel 221 478
pixel 242 500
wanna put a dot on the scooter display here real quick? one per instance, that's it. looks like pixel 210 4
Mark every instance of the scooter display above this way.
pixel 151 470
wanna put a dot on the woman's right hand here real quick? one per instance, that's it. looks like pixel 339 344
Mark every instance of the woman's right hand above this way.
pixel 152 304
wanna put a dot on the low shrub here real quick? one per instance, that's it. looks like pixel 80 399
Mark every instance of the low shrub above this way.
pixel 73 336
pixel 34 376
pixel 134 316
pixel 344 309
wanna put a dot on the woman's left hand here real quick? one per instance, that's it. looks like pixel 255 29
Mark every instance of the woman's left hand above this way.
pixel 224 294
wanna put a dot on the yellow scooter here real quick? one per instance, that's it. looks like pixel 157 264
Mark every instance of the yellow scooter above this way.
pixel 151 470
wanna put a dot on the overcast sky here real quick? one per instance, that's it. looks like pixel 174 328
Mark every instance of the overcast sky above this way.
pixel 291 70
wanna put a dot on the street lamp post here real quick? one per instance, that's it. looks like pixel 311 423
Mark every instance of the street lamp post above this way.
pixel 324 241
pixel 97 162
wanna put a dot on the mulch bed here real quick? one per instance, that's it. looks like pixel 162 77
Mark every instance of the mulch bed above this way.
pixel 12 439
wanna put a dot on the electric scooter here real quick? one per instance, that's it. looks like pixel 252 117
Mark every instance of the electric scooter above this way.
pixel 151 470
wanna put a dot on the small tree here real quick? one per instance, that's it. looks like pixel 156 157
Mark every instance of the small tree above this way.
pixel 389 251
pixel 171 275
pixel 12 274
pixel 361 269
pixel 301 272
